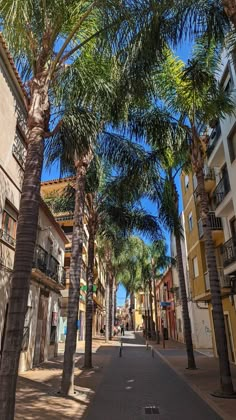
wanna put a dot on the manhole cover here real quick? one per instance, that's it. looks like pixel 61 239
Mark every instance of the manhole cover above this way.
pixel 151 410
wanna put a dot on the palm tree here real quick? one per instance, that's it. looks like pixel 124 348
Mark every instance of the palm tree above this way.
pixel 67 385
pixel 193 92
pixel 92 223
pixel 157 260
pixel 74 157
pixel 128 268
pixel 51 41
pixel 143 173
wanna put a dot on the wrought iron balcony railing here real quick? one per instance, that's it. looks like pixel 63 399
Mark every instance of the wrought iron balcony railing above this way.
pixel 221 190
pixel 214 136
pixel 64 217
pixel 209 174
pixel 207 281
pixel 229 251
pixel 7 238
pixel 224 280
pixel 49 265
pixel 215 223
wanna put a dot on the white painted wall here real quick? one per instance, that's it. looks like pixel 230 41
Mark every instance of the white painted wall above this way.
pixel 198 313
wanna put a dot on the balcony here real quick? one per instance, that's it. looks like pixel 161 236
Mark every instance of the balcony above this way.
pixel 63 217
pixel 7 238
pixel 49 265
pixel 224 280
pixel 207 281
pixel 214 136
pixel 215 223
pixel 229 252
pixel 209 173
pixel 221 190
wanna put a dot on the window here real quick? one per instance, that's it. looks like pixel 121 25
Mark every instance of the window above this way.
pixel 195 267
pixel 190 221
pixel 232 144
pixel 194 182
pixel 19 149
pixel 186 182
pixel 9 222
pixel 53 332
pixel 226 81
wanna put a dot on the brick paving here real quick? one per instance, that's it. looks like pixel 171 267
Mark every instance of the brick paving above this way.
pixel 120 387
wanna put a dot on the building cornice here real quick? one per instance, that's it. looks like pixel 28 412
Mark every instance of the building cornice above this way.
pixel 9 62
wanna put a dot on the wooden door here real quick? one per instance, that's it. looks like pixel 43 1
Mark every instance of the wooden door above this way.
pixel 41 330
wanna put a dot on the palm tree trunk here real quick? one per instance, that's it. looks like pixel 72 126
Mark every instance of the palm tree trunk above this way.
pixel 230 10
pixel 89 296
pixel 25 245
pixel 132 301
pixel 110 307
pixel 186 319
pixel 107 307
pixel 67 384
pixel 113 305
pixel 156 316
pixel 151 309
pixel 218 313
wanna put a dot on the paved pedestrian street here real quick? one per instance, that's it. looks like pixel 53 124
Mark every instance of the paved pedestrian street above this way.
pixel 136 381
pixel 142 384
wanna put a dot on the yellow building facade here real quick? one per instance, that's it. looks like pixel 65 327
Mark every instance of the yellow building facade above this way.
pixel 198 274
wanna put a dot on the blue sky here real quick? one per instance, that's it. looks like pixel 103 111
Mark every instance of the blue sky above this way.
pixel 183 52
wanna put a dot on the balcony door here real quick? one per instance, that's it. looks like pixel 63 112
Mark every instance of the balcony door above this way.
pixel 225 177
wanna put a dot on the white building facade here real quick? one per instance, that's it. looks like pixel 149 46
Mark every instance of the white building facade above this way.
pixel 198 312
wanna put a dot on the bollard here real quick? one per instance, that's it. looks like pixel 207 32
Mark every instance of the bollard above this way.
pixel 152 352
pixel 120 353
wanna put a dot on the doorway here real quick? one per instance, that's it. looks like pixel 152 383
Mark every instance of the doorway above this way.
pixel 41 331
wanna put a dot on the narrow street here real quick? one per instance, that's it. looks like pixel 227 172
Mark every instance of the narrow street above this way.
pixel 137 380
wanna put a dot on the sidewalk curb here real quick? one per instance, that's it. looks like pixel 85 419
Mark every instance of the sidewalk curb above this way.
pixel 200 393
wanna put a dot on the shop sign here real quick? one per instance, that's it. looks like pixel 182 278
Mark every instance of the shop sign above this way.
pixel 165 304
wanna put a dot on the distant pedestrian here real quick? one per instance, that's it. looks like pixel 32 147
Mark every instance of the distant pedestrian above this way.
pixel 122 329
pixel 127 326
